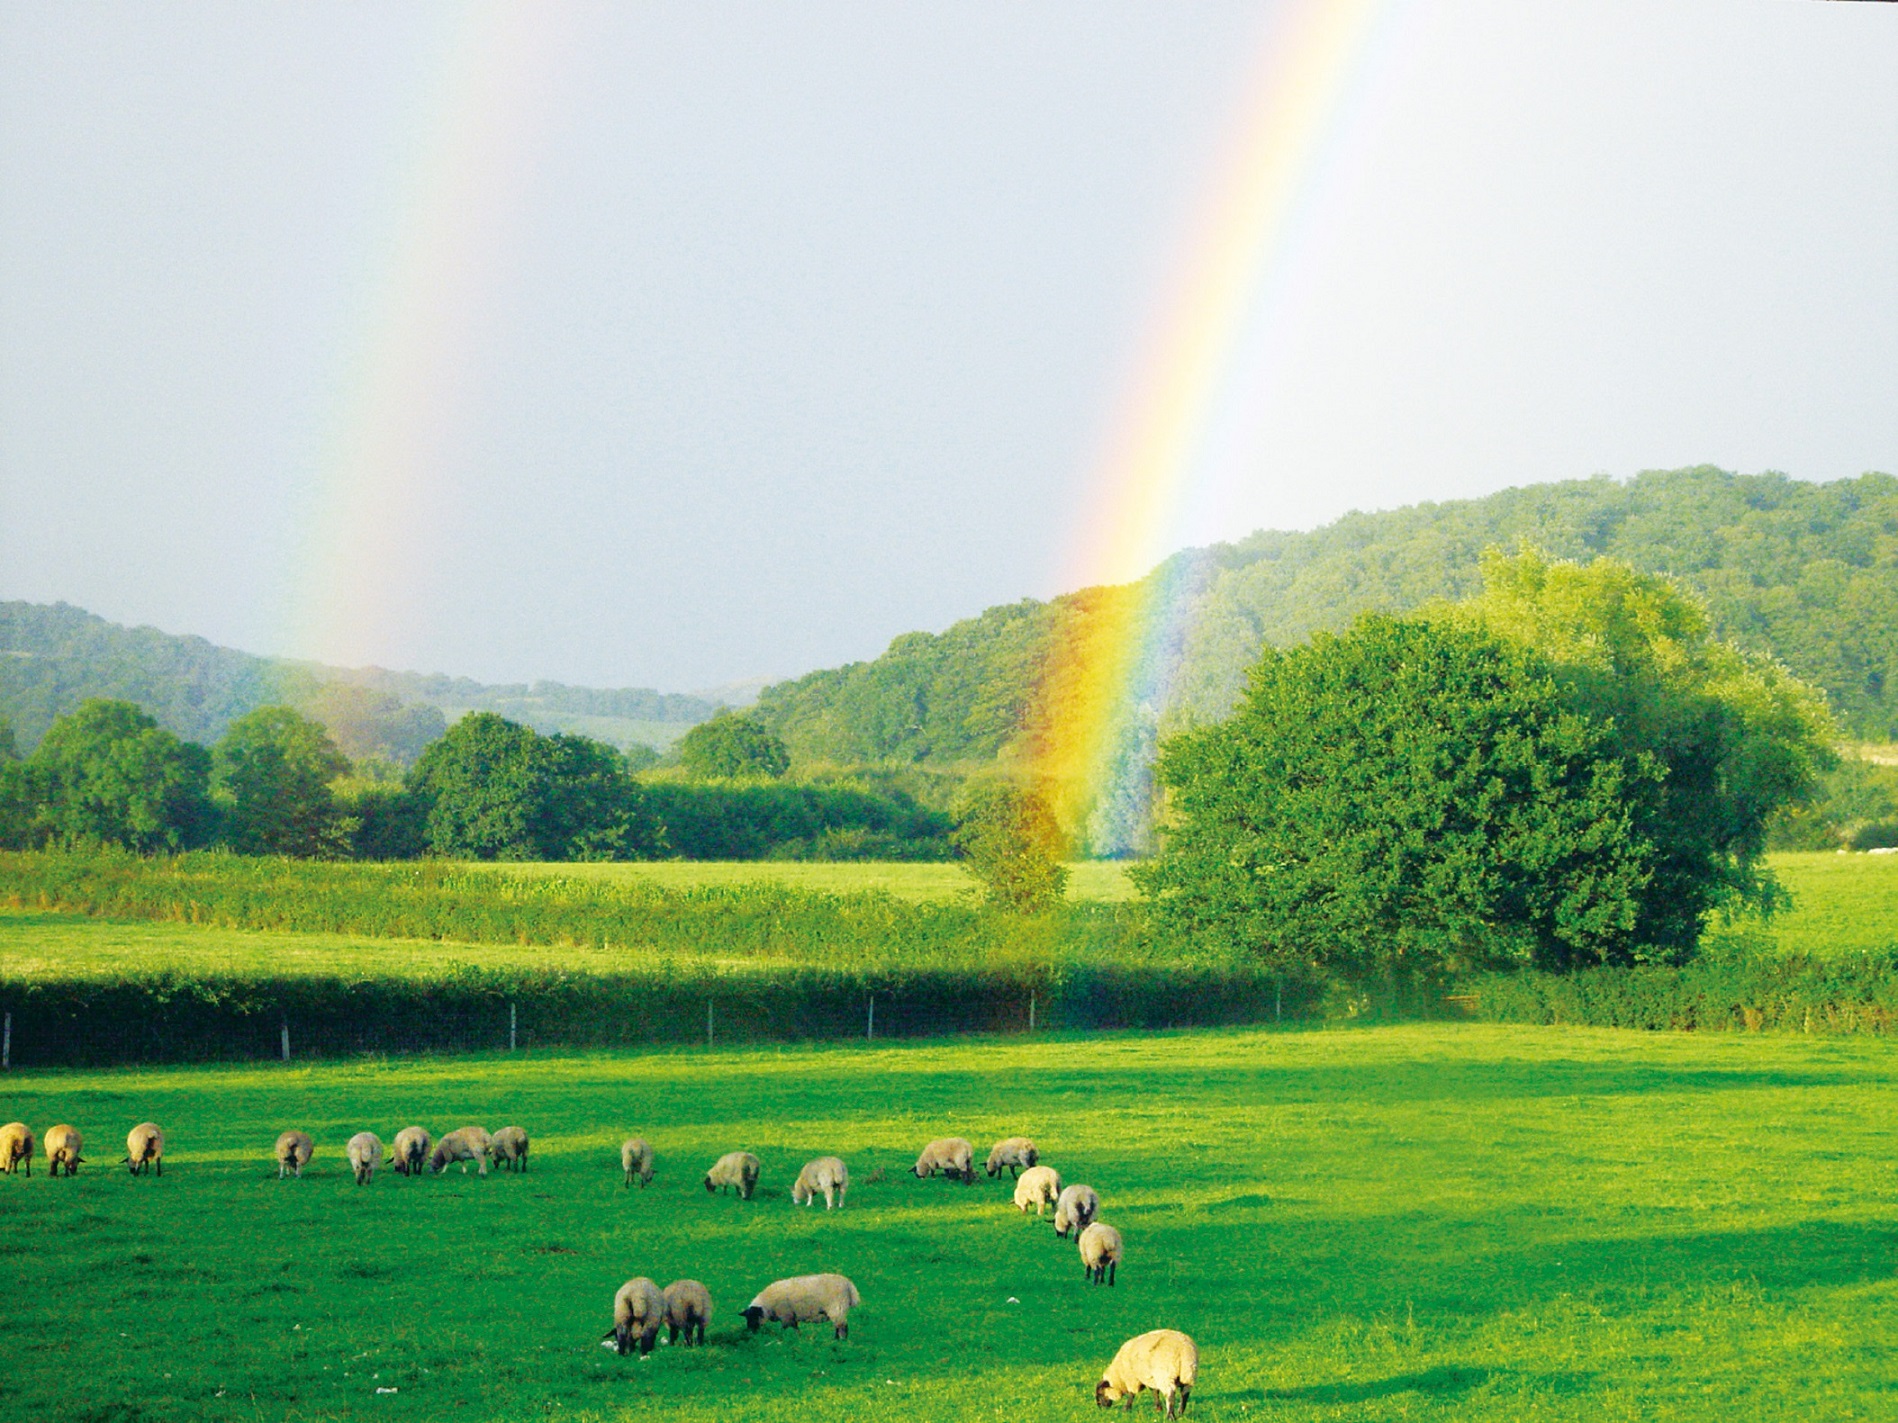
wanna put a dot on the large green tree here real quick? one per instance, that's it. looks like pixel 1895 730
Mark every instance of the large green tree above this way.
pixel 273 770
pixel 733 747
pixel 1011 841
pixel 106 773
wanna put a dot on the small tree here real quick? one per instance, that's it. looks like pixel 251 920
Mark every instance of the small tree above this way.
pixel 733 747
pixel 1011 842
pixel 273 770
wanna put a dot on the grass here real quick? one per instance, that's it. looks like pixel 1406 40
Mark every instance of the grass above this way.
pixel 921 882
pixel 1437 1222
pixel 1841 903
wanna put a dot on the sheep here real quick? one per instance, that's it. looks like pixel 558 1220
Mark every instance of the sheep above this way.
pixel 294 1150
pixel 635 1159
pixel 688 1307
pixel 510 1148
pixel 828 1176
pixel 1038 1186
pixel 638 1311
pixel 1100 1253
pixel 16 1147
pixel 734 1168
pixel 410 1152
pixel 805 1298
pixel 1163 1360
pixel 1075 1209
pixel 62 1149
pixel 1017 1153
pixel 145 1146
pixel 365 1155
pixel 464 1144
pixel 951 1155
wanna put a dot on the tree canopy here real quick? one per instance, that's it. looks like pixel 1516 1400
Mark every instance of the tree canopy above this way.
pixel 273 769
pixel 107 773
pixel 733 747
pixel 1011 842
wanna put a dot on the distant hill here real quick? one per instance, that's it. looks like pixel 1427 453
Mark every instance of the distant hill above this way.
pixel 1806 572
pixel 54 657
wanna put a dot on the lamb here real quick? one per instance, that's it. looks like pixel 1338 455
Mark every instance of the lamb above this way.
pixel 828 1176
pixel 365 1155
pixel 62 1149
pixel 16 1147
pixel 638 1311
pixel 1100 1253
pixel 410 1153
pixel 1163 1360
pixel 1039 1186
pixel 1017 1153
pixel 464 1144
pixel 145 1146
pixel 951 1155
pixel 688 1307
pixel 1075 1209
pixel 294 1150
pixel 804 1298
pixel 734 1168
pixel 510 1148
pixel 635 1159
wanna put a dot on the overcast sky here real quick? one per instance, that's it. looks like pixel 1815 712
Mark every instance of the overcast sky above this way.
pixel 673 345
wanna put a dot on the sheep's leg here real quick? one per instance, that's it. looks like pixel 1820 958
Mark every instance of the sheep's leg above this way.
pixel 843 1329
pixel 1186 1392
pixel 1113 1268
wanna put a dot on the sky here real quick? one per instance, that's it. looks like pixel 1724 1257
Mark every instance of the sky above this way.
pixel 677 345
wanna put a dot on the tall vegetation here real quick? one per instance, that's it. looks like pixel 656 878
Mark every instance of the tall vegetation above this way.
pixel 733 747
pixel 1012 844
pixel 273 771
pixel 108 774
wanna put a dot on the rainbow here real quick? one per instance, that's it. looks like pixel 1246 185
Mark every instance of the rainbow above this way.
pixel 1094 724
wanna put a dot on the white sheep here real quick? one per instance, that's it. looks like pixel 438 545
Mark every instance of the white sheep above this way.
pixel 688 1307
pixel 16 1147
pixel 826 1176
pixel 635 1159
pixel 294 1150
pixel 1163 1360
pixel 510 1148
pixel 1100 1253
pixel 805 1298
pixel 410 1152
pixel 1017 1153
pixel 464 1144
pixel 951 1155
pixel 145 1146
pixel 1075 1208
pixel 638 1311
pixel 1038 1186
pixel 365 1155
pixel 735 1169
pixel 62 1149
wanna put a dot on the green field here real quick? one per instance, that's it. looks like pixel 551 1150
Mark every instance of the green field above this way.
pixel 1427 1222
pixel 1104 881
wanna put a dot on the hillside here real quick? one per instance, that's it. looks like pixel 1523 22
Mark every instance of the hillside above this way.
pixel 1806 572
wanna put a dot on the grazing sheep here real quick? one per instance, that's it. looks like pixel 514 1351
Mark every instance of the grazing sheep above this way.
pixel 1163 1360
pixel 16 1147
pixel 635 1159
pixel 826 1176
pixel 62 1149
pixel 294 1150
pixel 688 1307
pixel 734 1168
pixel 1075 1209
pixel 510 1148
pixel 638 1311
pixel 951 1155
pixel 1038 1186
pixel 1017 1153
pixel 464 1144
pixel 145 1146
pixel 365 1155
pixel 805 1298
pixel 410 1153
pixel 1100 1253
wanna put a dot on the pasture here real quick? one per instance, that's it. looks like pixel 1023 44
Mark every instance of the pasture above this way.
pixel 1427 1222
pixel 920 881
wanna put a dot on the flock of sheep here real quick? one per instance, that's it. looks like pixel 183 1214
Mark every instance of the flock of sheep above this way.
pixel 1163 1360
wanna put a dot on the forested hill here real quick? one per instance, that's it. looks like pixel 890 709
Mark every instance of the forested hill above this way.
pixel 1807 572
pixel 54 657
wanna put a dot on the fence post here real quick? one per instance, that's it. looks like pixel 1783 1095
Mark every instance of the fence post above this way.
pixel 510 1027
pixel 286 1040
pixel 1031 1010
pixel 1278 1014
pixel 870 1023
pixel 708 1022
pixel 6 1043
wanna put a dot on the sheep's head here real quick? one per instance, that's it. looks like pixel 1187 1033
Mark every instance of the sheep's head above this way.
pixel 708 1182
pixel 1106 1395
pixel 754 1316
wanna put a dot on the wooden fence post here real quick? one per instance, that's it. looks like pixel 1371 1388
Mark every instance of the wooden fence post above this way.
pixel 708 1022
pixel 1278 1013
pixel 1031 1010
pixel 510 1027
pixel 6 1043
pixel 870 1021
pixel 286 1040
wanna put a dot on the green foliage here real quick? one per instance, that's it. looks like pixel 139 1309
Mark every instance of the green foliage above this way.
pixel 372 726
pixel 272 769
pixel 107 774
pixel 641 757
pixel 1855 806
pixel 1407 797
pixel 795 822
pixel 1012 843
pixel 387 821
pixel 733 747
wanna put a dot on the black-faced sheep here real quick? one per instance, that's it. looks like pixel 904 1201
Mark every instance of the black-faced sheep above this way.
pixel 464 1144
pixel 1163 1360
pixel 145 1146
pixel 734 1170
pixel 688 1307
pixel 294 1150
pixel 1075 1209
pixel 365 1155
pixel 805 1298
pixel 826 1176
pixel 638 1311
pixel 1038 1186
pixel 62 1149
pixel 635 1159
pixel 951 1155
pixel 1100 1253
pixel 510 1148
pixel 16 1147
pixel 1016 1154
pixel 410 1152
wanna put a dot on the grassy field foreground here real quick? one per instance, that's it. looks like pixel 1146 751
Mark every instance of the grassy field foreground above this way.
pixel 1440 1222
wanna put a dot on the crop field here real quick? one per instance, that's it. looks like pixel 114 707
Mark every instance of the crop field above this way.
pixel 1442 1222
pixel 1104 881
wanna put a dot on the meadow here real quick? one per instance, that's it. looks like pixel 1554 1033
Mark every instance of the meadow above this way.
pixel 1427 1222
